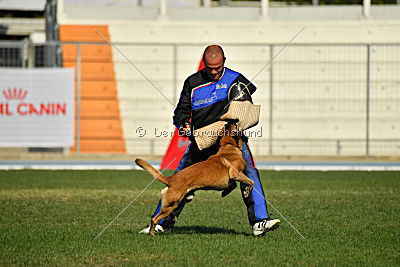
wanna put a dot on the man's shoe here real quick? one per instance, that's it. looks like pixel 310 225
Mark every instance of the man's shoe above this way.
pixel 265 226
pixel 157 229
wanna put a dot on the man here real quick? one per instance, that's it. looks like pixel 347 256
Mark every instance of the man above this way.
pixel 204 99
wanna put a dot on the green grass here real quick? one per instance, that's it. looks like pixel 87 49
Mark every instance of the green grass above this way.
pixel 51 217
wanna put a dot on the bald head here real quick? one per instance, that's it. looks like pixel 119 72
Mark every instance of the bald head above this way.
pixel 214 60
pixel 213 52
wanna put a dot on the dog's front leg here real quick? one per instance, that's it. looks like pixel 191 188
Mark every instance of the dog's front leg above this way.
pixel 240 177
pixel 250 183
pixel 164 212
pixel 152 227
pixel 231 186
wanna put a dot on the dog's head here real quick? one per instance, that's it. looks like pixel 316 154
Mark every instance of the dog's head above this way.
pixel 231 135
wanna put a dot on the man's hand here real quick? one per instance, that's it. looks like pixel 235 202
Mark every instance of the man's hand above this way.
pixel 185 130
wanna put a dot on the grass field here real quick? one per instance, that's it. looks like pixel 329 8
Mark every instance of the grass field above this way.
pixel 51 217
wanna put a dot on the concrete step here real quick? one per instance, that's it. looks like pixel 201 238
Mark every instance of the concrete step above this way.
pixel 152 129
pixel 339 147
pixel 147 147
pixel 385 54
pixel 152 71
pixel 321 53
pixel 142 89
pixel 282 72
pixel 143 53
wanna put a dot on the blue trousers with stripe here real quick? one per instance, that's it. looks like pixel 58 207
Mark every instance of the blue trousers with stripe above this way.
pixel 255 203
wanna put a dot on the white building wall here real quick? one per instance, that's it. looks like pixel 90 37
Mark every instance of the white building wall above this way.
pixel 319 90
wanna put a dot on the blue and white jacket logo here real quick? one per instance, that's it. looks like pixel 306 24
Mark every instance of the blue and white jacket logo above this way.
pixel 221 86
pixel 206 100
pixel 207 94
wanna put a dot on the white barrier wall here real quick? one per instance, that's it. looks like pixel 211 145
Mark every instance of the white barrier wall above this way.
pixel 319 96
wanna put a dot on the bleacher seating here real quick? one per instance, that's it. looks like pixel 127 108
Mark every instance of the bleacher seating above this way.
pixel 319 94
pixel 100 122
pixel 319 90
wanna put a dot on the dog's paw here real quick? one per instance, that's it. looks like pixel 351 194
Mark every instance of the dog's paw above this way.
pixel 247 191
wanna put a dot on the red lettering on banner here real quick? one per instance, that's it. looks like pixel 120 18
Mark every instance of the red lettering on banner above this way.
pixel 44 108
pixel 22 113
pixel 8 113
pixel 32 109
pixel 62 108
pixel 4 109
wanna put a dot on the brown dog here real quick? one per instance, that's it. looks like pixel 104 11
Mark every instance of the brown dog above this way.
pixel 215 173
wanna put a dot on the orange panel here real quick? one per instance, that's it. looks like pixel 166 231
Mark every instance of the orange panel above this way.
pixel 114 146
pixel 98 89
pixel 100 125
pixel 94 71
pixel 96 129
pixel 91 53
pixel 99 109
pixel 83 33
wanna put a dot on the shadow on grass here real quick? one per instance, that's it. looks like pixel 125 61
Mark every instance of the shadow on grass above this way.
pixel 183 230
pixel 195 229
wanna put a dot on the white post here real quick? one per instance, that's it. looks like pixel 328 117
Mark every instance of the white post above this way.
pixel 366 8
pixel 163 9
pixel 60 10
pixel 206 3
pixel 264 8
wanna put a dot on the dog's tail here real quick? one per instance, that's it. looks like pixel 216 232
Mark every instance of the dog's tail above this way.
pixel 153 171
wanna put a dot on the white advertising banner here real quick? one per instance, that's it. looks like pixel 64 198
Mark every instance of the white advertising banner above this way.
pixel 37 107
